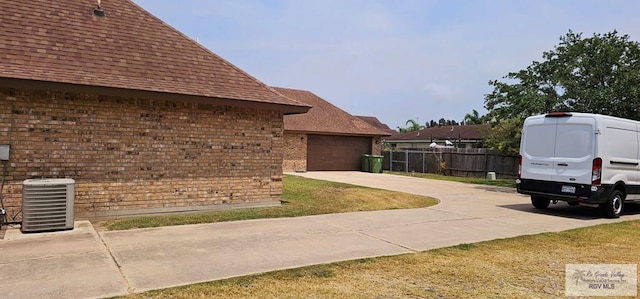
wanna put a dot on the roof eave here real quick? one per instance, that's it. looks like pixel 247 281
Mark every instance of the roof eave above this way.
pixel 111 91
pixel 333 133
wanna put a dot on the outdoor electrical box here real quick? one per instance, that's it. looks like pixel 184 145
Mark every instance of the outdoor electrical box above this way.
pixel 4 152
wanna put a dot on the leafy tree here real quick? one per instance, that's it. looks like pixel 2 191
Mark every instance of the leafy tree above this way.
pixel 440 123
pixel 505 136
pixel 599 74
pixel 452 122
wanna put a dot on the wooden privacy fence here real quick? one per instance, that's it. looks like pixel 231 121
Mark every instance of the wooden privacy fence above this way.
pixel 472 162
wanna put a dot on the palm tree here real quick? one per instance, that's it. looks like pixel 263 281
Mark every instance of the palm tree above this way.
pixel 473 118
pixel 413 126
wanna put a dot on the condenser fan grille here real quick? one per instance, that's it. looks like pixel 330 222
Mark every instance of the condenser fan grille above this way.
pixel 47 205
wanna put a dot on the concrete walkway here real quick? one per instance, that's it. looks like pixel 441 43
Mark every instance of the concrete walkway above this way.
pixel 85 264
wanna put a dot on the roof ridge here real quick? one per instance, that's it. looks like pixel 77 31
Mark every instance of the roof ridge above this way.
pixel 275 89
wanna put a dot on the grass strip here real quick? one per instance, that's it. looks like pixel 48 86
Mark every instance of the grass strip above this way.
pixel 300 197
pixel 511 183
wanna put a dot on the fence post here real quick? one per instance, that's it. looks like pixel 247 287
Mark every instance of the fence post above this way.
pixel 486 162
pixel 423 162
pixel 448 169
pixel 406 160
pixel 391 159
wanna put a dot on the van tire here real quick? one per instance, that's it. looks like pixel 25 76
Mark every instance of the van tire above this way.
pixel 540 203
pixel 614 206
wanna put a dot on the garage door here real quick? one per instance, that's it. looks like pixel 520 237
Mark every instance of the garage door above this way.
pixel 336 152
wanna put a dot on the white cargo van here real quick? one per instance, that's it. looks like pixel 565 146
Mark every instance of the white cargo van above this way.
pixel 580 158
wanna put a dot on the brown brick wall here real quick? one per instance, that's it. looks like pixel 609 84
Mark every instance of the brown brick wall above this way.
pixel 128 154
pixel 376 146
pixel 295 152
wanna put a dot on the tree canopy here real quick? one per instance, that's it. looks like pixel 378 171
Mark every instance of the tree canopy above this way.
pixel 598 74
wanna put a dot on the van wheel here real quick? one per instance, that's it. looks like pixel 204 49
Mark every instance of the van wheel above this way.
pixel 540 202
pixel 614 206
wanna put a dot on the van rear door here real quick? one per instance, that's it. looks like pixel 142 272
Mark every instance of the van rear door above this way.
pixel 558 148
pixel 575 144
pixel 537 148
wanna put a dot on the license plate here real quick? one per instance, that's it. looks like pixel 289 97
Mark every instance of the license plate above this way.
pixel 568 189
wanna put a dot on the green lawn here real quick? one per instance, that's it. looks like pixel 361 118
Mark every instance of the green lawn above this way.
pixel 300 197
pixel 470 180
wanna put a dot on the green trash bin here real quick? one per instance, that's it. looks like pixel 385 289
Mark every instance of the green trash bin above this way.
pixel 366 163
pixel 375 163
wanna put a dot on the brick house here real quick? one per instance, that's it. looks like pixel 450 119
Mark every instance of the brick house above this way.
pixel 144 119
pixel 326 137
pixel 467 136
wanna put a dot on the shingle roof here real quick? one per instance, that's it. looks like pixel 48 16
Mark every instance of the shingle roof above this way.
pixel 62 41
pixel 324 118
pixel 468 132
pixel 374 121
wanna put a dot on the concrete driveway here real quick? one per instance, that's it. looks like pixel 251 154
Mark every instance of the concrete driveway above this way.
pixel 85 264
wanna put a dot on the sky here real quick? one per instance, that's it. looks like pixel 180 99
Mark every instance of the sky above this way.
pixel 393 59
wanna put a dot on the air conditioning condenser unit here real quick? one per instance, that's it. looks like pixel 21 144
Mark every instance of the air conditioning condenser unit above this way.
pixel 47 204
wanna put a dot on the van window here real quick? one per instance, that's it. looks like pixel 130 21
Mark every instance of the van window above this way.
pixel 538 140
pixel 574 141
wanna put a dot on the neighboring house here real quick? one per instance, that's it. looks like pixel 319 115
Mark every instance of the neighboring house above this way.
pixel 143 118
pixel 326 137
pixel 374 121
pixel 469 136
